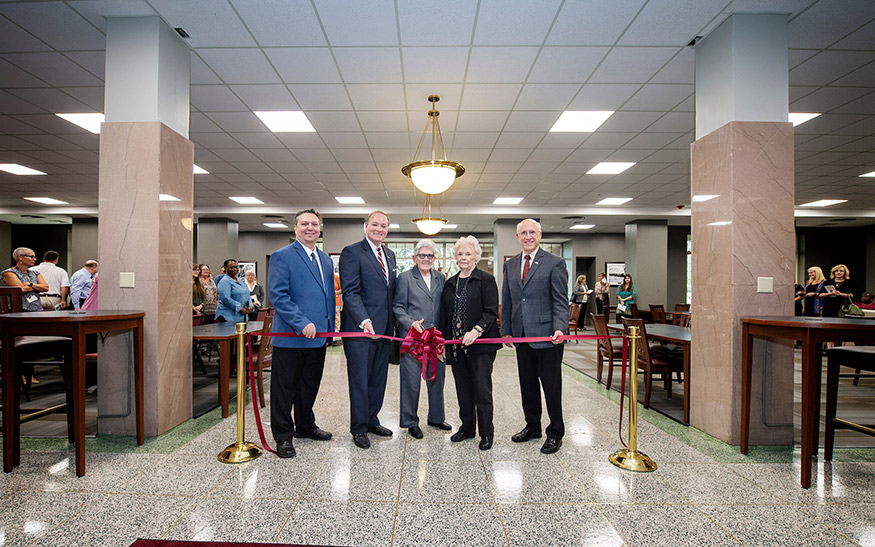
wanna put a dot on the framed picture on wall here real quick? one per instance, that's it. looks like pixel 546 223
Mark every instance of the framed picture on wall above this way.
pixel 244 267
pixel 335 257
pixel 615 272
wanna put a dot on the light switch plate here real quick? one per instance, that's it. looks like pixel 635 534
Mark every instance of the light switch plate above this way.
pixel 126 280
pixel 765 284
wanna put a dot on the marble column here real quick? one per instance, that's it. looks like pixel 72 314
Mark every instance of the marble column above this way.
pixel 747 231
pixel 144 153
pixel 647 260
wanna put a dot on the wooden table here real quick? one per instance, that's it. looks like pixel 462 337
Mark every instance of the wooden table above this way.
pixel 75 324
pixel 224 333
pixel 813 332
pixel 675 334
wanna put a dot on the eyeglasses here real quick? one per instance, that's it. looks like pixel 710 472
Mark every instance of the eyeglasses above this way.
pixel 425 256
pixel 29 256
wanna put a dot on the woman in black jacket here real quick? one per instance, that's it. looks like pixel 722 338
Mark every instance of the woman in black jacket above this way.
pixel 469 310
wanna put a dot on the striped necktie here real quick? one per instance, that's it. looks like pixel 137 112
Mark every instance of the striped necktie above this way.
pixel 382 264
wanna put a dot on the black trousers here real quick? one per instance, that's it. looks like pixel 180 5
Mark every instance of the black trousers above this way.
pixel 541 368
pixel 294 383
pixel 473 377
pixel 599 306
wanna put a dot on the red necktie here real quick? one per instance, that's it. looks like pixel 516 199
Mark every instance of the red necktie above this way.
pixel 382 265
pixel 526 267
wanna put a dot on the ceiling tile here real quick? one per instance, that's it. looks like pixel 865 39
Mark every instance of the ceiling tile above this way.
pixel 603 96
pixel 266 97
pixel 369 65
pixel 448 22
pixel 670 22
pixel 281 22
pixel 828 66
pixel 827 22
pixel 500 64
pixel 334 121
pixel 527 22
pixel 546 96
pixel 240 65
pixel 215 98
pixel 304 65
pixel 490 96
pixel 54 68
pixel 632 64
pixel 321 97
pixel 208 22
pixel 680 70
pixel 658 97
pixel 370 23
pixel 55 24
pixel 383 121
pixel 593 22
pixel 376 96
pixel 531 121
pixel 238 121
pixel 435 64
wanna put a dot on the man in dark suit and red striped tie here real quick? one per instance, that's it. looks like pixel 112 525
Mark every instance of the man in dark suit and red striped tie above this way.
pixel 367 280
pixel 534 302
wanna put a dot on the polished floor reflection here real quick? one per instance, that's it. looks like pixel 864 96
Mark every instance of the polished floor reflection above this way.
pixel 404 491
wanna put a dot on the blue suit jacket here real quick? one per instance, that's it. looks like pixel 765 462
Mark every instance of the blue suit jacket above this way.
pixel 539 306
pixel 298 297
pixel 365 293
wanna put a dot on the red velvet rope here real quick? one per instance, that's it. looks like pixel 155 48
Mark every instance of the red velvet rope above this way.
pixel 423 346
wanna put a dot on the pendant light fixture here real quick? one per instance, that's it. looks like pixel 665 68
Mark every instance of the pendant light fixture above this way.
pixel 429 224
pixel 435 175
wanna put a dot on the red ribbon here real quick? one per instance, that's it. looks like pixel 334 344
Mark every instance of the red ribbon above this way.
pixel 426 347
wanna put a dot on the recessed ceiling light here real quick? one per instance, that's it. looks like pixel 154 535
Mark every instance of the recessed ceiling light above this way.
pixel 394 226
pixel 200 171
pixel 823 203
pixel 580 121
pixel 16 169
pixel 286 121
pixel 507 201
pixel 89 122
pixel 613 201
pixel 872 174
pixel 705 197
pixel 582 226
pixel 167 197
pixel 798 118
pixel 450 226
pixel 48 201
pixel 610 168
pixel 278 225
pixel 720 223
pixel 247 200
pixel 350 200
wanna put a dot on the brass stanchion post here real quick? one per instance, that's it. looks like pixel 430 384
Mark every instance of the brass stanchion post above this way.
pixel 241 451
pixel 630 458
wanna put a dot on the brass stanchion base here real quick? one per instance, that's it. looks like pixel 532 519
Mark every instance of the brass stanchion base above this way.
pixel 632 460
pixel 239 453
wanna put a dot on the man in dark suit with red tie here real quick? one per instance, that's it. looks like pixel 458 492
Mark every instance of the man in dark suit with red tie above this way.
pixel 301 289
pixel 367 280
pixel 534 302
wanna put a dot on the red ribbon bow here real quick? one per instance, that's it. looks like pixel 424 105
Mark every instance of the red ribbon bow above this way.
pixel 425 346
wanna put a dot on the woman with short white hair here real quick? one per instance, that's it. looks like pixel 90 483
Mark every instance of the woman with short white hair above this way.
pixel 417 305
pixel 30 281
pixel 469 310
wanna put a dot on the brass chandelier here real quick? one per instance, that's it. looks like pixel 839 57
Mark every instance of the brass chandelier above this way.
pixel 429 224
pixel 435 175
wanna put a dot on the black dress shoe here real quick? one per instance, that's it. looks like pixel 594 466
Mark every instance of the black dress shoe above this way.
pixel 461 436
pixel 285 449
pixel 485 443
pixel 551 445
pixel 361 440
pixel 445 426
pixel 525 434
pixel 380 430
pixel 316 434
pixel 415 432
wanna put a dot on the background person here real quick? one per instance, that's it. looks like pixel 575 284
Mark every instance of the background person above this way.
pixel 58 280
pixel 367 279
pixel 811 303
pixel 835 293
pixel 417 304
pixel 80 283
pixel 197 291
pixel 234 304
pixel 627 294
pixel 301 291
pixel 469 310
pixel 533 304
pixel 866 301
pixel 602 292
pixel 211 291
pixel 30 281
pixel 256 294
pixel 580 295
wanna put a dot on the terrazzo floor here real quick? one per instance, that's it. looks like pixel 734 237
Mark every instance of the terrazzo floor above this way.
pixel 404 491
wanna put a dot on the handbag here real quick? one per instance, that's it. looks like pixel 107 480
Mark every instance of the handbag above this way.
pixel 850 309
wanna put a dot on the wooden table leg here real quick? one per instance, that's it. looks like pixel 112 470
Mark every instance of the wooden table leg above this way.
pixel 810 403
pixel 10 410
pixel 746 357
pixel 224 374
pixel 139 381
pixel 78 369
pixel 687 383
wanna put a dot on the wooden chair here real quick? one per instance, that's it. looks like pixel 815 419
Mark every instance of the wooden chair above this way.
pixel 860 358
pixel 651 362
pixel 574 317
pixel 633 311
pixel 265 355
pixel 262 313
pixel 32 348
pixel 606 350
pixel 657 313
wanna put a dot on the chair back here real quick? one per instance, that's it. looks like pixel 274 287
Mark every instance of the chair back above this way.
pixel 681 307
pixel 685 320
pixel 265 347
pixel 10 300
pixel 643 346
pixel 208 319
pixel 262 313
pixel 196 319
pixel 657 312
pixel 574 315
pixel 633 310
pixel 600 324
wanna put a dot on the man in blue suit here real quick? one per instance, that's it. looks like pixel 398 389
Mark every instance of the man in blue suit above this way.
pixel 301 289
pixel 534 302
pixel 367 280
